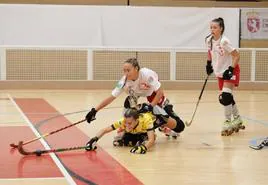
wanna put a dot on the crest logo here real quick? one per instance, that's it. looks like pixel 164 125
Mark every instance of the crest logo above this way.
pixel 253 22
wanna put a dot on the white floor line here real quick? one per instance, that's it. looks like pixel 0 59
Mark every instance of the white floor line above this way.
pixel 53 156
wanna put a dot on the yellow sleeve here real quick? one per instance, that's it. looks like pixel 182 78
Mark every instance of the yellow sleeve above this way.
pixel 149 119
pixel 118 124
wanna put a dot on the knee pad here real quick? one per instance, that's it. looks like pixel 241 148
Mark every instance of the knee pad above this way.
pixel 180 125
pixel 169 108
pixel 233 102
pixel 160 120
pixel 130 102
pixel 226 98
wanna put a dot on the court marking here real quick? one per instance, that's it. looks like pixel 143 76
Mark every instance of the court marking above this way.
pixel 89 165
pixel 43 178
pixel 44 143
pixel 256 121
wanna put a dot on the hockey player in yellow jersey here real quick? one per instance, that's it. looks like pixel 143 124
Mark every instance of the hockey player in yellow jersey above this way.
pixel 137 131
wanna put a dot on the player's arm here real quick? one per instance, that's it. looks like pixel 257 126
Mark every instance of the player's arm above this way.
pixel 151 139
pixel 209 68
pixel 91 115
pixel 235 57
pixel 115 93
pixel 104 131
pixel 105 102
pixel 228 73
pixel 159 94
pixel 91 144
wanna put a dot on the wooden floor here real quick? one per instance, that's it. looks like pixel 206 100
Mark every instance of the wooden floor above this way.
pixel 199 156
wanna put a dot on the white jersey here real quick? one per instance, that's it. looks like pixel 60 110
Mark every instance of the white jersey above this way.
pixel 220 54
pixel 144 86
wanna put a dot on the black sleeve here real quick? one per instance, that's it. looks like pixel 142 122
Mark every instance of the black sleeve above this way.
pixel 113 127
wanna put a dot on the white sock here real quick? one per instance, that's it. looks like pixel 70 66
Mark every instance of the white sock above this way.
pixel 227 109
pixel 235 111
pixel 228 112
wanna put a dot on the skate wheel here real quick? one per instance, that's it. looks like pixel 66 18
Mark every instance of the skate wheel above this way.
pixel 118 143
pixel 174 137
pixel 227 132
pixel 230 132
pixel 242 127
pixel 223 133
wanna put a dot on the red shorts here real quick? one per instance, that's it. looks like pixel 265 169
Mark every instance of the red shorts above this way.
pixel 151 98
pixel 234 81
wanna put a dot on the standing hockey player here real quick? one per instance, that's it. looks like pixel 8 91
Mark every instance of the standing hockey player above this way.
pixel 223 60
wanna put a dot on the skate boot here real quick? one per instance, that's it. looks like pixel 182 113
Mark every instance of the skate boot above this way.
pixel 238 124
pixel 227 128
pixel 168 132
pixel 261 145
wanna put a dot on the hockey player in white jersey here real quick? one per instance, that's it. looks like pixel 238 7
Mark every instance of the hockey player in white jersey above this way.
pixel 223 60
pixel 142 82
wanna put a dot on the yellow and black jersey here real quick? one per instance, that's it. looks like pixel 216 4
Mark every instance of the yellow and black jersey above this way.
pixel 145 123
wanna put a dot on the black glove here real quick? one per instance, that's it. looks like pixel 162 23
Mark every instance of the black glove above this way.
pixel 91 145
pixel 140 149
pixel 91 115
pixel 209 68
pixel 228 73
pixel 145 108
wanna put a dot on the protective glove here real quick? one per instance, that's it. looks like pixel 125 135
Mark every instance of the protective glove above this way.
pixel 140 149
pixel 91 145
pixel 228 73
pixel 91 115
pixel 209 67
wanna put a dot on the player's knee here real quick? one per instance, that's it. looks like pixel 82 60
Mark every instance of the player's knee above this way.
pixel 226 98
pixel 179 126
pixel 179 123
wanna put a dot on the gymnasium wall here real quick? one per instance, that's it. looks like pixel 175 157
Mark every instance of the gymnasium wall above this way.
pixel 176 66
pixel 170 3
pixel 116 26
pixel 84 67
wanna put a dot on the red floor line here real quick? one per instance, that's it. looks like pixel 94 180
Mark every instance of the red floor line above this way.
pixel 98 167
pixel 14 165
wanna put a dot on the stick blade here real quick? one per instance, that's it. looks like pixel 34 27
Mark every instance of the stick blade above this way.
pixel 21 150
pixel 188 123
pixel 12 145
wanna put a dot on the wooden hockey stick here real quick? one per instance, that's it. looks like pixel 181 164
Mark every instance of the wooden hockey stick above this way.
pixel 201 93
pixel 40 152
pixel 47 134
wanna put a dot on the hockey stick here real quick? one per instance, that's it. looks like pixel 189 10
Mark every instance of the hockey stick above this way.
pixel 201 93
pixel 40 152
pixel 47 134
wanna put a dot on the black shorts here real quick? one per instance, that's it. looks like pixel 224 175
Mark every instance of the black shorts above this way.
pixel 129 139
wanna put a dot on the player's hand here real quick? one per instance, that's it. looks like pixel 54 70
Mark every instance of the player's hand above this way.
pixel 145 108
pixel 91 115
pixel 140 149
pixel 91 145
pixel 228 73
pixel 209 67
